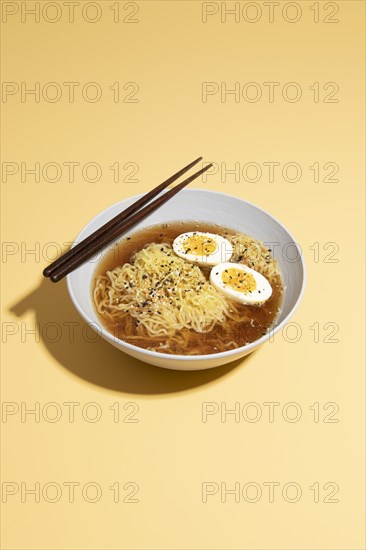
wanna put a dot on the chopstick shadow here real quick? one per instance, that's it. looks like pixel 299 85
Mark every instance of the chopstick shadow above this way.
pixel 85 354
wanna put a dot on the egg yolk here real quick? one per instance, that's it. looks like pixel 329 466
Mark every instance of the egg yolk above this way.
pixel 199 245
pixel 239 280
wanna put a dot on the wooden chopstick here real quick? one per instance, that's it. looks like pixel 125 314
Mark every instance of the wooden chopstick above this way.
pixel 89 251
pixel 114 222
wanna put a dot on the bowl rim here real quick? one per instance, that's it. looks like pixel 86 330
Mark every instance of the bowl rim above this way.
pixel 189 358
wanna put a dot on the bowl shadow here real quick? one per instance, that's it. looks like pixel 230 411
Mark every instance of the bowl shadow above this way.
pixel 87 355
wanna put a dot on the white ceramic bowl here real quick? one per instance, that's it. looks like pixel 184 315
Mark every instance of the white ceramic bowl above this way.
pixel 205 206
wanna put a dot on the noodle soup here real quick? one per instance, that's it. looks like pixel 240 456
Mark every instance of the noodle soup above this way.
pixel 147 295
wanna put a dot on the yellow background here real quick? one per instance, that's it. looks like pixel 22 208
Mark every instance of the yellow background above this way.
pixel 170 451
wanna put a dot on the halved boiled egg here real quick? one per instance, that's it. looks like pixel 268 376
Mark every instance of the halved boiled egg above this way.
pixel 205 249
pixel 240 283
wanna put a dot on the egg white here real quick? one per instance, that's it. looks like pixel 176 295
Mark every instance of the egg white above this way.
pixel 259 295
pixel 223 252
